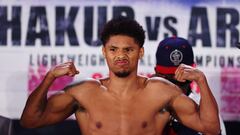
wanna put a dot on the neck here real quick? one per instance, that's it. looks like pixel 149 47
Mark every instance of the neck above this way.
pixel 123 85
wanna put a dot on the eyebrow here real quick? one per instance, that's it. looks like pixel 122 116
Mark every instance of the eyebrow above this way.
pixel 112 46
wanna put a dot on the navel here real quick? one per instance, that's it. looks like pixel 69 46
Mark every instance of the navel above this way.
pixel 144 124
pixel 98 124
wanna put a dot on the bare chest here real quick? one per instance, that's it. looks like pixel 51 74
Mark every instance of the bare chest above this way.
pixel 126 115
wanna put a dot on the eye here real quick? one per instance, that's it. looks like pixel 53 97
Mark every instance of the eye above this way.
pixel 128 49
pixel 112 49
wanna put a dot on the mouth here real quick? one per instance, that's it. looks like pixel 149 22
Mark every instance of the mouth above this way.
pixel 121 62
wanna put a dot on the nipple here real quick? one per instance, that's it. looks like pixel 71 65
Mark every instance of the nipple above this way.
pixel 98 125
pixel 144 124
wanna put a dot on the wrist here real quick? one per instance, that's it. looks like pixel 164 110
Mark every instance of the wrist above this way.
pixel 50 76
pixel 201 78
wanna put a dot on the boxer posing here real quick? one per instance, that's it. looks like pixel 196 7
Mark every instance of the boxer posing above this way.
pixel 124 103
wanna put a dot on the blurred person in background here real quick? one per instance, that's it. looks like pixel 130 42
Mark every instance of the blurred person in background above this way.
pixel 171 53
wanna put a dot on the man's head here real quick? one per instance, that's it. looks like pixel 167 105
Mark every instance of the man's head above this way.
pixel 123 41
pixel 171 52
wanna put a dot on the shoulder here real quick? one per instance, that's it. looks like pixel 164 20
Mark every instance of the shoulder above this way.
pixel 158 81
pixel 81 86
pixel 162 86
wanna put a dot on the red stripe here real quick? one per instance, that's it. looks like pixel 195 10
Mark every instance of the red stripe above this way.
pixel 168 70
pixel 165 70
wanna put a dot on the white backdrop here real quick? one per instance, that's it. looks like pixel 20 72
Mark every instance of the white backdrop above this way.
pixel 26 56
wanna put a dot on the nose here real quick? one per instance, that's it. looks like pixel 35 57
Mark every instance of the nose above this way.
pixel 121 54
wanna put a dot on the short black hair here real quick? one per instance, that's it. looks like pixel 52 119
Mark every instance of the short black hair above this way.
pixel 123 26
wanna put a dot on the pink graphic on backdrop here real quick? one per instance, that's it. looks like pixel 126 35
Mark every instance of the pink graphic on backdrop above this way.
pixel 194 87
pixel 230 93
pixel 35 76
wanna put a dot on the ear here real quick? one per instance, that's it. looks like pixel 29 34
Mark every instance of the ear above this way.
pixel 104 51
pixel 141 53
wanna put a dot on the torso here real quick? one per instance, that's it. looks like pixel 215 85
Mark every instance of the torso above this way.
pixel 139 114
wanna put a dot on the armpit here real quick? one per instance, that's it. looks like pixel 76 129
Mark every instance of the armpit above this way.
pixel 80 108
pixel 163 110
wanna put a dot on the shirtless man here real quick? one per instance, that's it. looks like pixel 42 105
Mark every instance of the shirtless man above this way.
pixel 124 103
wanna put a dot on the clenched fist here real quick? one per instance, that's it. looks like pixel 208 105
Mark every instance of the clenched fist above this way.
pixel 185 72
pixel 67 68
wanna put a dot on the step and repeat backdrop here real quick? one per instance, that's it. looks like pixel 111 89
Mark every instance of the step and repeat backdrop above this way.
pixel 36 35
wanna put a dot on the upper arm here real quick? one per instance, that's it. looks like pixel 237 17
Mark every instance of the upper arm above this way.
pixel 187 112
pixel 59 107
pixel 181 106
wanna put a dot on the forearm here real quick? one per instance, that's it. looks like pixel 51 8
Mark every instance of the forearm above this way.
pixel 36 102
pixel 208 108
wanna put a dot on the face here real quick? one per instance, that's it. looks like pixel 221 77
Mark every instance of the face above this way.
pixel 122 54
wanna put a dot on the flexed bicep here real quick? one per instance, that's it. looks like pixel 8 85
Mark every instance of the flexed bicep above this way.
pixel 186 111
pixel 58 108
